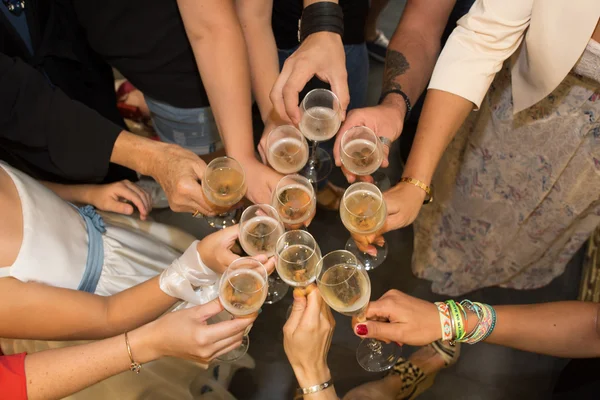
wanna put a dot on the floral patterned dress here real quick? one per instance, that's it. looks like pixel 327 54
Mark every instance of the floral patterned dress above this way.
pixel 516 195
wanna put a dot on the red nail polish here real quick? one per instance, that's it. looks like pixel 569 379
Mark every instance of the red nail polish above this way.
pixel 361 330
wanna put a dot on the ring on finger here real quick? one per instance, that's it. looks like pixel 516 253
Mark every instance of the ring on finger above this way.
pixel 197 214
pixel 385 141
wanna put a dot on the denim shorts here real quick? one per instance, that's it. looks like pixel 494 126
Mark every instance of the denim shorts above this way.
pixel 192 128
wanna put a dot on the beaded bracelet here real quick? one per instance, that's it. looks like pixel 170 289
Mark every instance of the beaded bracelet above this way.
pixel 445 320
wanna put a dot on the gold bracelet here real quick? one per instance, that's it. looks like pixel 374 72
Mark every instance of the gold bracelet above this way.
pixel 421 185
pixel 133 367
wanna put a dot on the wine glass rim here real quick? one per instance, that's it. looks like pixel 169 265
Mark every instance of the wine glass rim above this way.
pixel 296 231
pixel 375 191
pixel 356 264
pixel 222 158
pixel 274 215
pixel 279 189
pixel 336 102
pixel 374 142
pixel 263 273
pixel 300 135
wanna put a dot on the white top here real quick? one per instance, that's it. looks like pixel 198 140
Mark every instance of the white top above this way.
pixel 54 236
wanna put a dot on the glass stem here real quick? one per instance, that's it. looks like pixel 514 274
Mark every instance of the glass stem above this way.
pixel 374 346
pixel 314 159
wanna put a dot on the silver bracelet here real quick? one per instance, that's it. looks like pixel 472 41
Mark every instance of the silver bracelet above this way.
pixel 315 388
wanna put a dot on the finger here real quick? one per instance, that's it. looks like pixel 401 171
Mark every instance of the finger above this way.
pixel 231 347
pixel 208 310
pixel 386 153
pixel 124 192
pixel 313 306
pixel 140 192
pixel 270 265
pixel 350 177
pixel 298 308
pixel 230 234
pixel 225 329
pixel 277 91
pixel 262 152
pixel 296 82
pixel 119 207
pixel 339 86
pixel 385 331
pixel 379 309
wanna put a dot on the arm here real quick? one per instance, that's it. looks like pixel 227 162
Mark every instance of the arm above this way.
pixel 563 329
pixel 47 313
pixel 217 40
pixel 255 19
pixel 410 59
pixel 321 54
pixel 59 372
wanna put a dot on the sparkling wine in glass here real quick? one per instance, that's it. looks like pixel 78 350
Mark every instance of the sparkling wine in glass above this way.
pixel 297 256
pixel 260 228
pixel 344 284
pixel 361 151
pixel 287 149
pixel 295 201
pixel 363 212
pixel 320 120
pixel 224 185
pixel 242 291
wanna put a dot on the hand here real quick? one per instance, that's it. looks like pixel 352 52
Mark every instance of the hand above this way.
pixel 386 119
pixel 262 180
pixel 398 317
pixel 216 254
pixel 272 122
pixel 179 172
pixel 112 197
pixel 195 339
pixel 307 336
pixel 403 203
pixel 321 54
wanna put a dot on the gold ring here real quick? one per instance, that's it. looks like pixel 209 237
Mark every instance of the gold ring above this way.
pixel 198 214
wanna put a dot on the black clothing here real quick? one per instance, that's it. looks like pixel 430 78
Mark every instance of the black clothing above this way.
pixel 286 14
pixel 43 131
pixel 145 40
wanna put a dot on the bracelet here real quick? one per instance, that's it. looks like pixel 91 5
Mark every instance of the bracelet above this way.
pixel 134 367
pixel 458 321
pixel 322 16
pixel 315 388
pixel 404 96
pixel 486 322
pixel 445 320
pixel 420 185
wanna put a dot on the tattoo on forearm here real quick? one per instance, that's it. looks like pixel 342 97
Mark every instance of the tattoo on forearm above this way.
pixel 395 65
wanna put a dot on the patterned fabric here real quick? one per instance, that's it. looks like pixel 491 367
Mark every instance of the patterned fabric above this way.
pixel 411 376
pixel 517 195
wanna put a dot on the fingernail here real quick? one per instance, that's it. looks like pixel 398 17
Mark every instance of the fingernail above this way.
pixel 361 330
pixel 259 311
pixel 372 252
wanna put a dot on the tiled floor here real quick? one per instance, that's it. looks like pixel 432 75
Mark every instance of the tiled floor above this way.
pixel 485 372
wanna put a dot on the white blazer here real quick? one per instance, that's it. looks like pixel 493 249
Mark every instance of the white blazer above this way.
pixel 556 33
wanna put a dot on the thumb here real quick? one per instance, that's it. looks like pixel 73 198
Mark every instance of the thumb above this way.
pixel 119 207
pixel 384 331
pixel 298 308
pixel 209 309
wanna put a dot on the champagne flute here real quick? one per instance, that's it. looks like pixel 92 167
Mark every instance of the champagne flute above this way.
pixel 287 149
pixel 224 185
pixel 361 151
pixel 344 284
pixel 260 228
pixel 363 212
pixel 320 120
pixel 242 291
pixel 295 201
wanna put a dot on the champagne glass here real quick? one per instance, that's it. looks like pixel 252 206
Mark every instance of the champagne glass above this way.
pixel 363 212
pixel 287 149
pixel 320 120
pixel 242 291
pixel 224 185
pixel 344 284
pixel 297 255
pixel 260 228
pixel 361 151
pixel 295 201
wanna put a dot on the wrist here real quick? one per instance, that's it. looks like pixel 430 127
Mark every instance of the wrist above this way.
pixel 308 377
pixel 137 153
pixel 145 346
pixel 397 104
